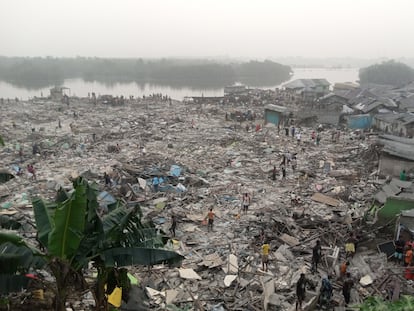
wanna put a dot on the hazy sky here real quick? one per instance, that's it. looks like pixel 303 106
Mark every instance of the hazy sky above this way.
pixel 212 28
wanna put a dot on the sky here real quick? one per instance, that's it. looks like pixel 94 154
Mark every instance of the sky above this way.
pixel 254 29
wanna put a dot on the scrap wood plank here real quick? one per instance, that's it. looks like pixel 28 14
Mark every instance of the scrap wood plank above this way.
pixel 290 240
pixel 321 198
pixel 8 212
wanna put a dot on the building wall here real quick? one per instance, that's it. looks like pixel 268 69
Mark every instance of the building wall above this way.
pixel 397 128
pixel 382 125
pixel 273 117
pixel 390 165
pixel 324 116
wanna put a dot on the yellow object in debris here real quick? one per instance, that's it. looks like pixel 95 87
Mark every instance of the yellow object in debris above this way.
pixel 115 298
pixel 160 205
pixel 38 294
pixel 132 279
pixel 175 242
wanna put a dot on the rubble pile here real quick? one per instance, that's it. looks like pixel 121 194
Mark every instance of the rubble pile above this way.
pixel 183 159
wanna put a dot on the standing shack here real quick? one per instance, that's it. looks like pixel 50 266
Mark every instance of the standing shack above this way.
pixel 275 114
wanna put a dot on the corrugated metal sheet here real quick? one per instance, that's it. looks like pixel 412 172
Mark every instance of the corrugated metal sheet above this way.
pixel 361 121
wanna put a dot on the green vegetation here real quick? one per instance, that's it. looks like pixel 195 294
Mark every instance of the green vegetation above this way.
pixel 41 72
pixel 391 73
pixel 406 303
pixel 72 234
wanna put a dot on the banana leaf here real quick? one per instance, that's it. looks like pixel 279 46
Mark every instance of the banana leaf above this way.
pixel 122 257
pixel 6 222
pixel 24 258
pixel 12 283
pixel 9 263
pixel 116 220
pixel 12 237
pixel 5 176
pixel 69 224
pixel 44 219
pixel 123 227
pixel 61 195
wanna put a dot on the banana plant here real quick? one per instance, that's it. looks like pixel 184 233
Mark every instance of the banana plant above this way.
pixel 73 234
pixel 16 258
pixel 405 303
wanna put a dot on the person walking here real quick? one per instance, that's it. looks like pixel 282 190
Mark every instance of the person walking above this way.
pixel 298 137
pixel 107 179
pixel 346 288
pixel 403 175
pixel 265 256
pixel 173 225
pixel 274 173
pixel 301 291
pixel 316 256
pixel 343 269
pixel 31 171
pixel 245 202
pixel 210 218
pixel 350 246
pixel 283 172
pixel 325 293
pixel 408 258
pixel 399 250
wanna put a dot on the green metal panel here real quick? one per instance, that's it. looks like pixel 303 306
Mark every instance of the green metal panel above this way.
pixel 272 117
pixel 393 206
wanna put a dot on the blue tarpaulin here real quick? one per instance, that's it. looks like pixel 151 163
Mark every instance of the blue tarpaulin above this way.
pixel 157 180
pixel 175 170
pixel 105 199
pixel 15 168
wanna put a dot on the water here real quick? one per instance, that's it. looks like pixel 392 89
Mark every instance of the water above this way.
pixel 79 87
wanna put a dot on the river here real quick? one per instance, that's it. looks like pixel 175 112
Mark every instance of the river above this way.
pixel 79 87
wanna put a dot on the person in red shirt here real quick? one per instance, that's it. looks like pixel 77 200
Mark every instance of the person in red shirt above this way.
pixel 408 256
pixel 343 268
pixel 210 217
pixel 31 170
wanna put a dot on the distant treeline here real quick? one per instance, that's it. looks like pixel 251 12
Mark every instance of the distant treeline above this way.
pixel 41 72
pixel 390 72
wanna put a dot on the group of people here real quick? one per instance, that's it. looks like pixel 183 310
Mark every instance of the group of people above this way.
pixel 404 255
pixel 325 290
pixel 31 172
pixel 287 159
pixel 316 138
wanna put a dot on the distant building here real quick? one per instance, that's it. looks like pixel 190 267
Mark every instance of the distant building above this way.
pixel 345 86
pixel 204 99
pixel 332 102
pixel 235 90
pixel 309 89
pixel 57 93
pixel 400 124
pixel 326 110
pixel 397 155
pixel 407 104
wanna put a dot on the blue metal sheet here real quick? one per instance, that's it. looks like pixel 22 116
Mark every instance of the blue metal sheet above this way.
pixel 272 117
